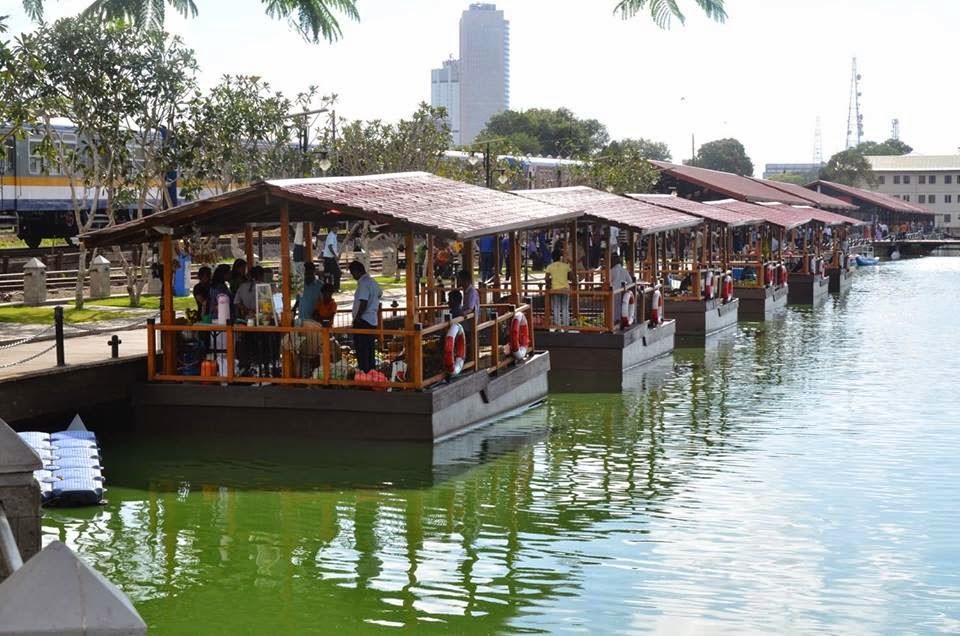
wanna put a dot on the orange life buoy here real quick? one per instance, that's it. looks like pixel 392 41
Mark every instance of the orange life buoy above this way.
pixel 727 288
pixel 628 309
pixel 454 350
pixel 656 307
pixel 519 336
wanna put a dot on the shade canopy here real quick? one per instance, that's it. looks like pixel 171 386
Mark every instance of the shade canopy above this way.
pixel 605 207
pixel 869 198
pixel 727 184
pixel 714 213
pixel 826 217
pixel 403 202
pixel 778 215
pixel 817 199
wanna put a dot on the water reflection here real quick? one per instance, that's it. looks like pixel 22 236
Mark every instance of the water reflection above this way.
pixel 776 480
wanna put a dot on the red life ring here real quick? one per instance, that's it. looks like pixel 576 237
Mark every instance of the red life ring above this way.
pixel 783 274
pixel 769 278
pixel 519 336
pixel 454 350
pixel 708 286
pixel 628 309
pixel 656 307
pixel 727 288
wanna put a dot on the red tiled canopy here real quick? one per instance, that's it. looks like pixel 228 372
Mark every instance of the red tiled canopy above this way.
pixel 696 208
pixel 728 184
pixel 877 199
pixel 412 201
pixel 779 215
pixel 613 208
pixel 817 198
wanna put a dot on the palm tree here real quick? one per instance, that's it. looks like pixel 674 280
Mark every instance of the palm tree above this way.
pixel 314 19
pixel 663 11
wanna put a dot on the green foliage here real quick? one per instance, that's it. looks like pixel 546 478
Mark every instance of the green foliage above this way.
pixel 44 315
pixel 664 11
pixel 888 147
pixel 313 19
pixel 505 174
pixel 371 147
pixel 620 173
pixel 645 148
pixel 541 131
pixel 849 167
pixel 725 155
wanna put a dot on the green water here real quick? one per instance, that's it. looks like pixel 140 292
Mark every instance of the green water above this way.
pixel 797 476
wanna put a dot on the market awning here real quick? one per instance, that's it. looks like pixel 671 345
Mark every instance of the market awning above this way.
pixel 410 201
pixel 727 184
pixel 818 199
pixel 828 218
pixel 702 210
pixel 613 208
pixel 779 215
pixel 867 197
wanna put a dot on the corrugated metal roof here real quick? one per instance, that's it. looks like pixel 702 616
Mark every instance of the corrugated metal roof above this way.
pixel 780 215
pixel 818 198
pixel 915 163
pixel 613 208
pixel 827 217
pixel 710 212
pixel 728 184
pixel 415 201
pixel 878 199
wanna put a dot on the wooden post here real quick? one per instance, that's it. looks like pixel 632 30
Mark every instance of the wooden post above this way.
pixel 151 350
pixel 286 318
pixel 410 283
pixel 605 278
pixel 496 264
pixel 467 256
pixel 308 242
pixel 169 315
pixel 515 267
pixel 632 253
pixel 761 273
pixel 248 246
pixel 574 260
pixel 429 266
pixel 806 260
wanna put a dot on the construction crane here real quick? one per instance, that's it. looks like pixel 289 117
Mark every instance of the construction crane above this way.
pixel 854 116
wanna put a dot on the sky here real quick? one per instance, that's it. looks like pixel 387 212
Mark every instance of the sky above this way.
pixel 764 76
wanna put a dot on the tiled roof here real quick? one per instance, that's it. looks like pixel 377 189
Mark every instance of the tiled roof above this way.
pixel 415 201
pixel 817 198
pixel 696 208
pixel 728 184
pixel 878 199
pixel 827 217
pixel 780 215
pixel 613 208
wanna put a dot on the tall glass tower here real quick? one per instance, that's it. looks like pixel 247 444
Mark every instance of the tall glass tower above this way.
pixel 484 68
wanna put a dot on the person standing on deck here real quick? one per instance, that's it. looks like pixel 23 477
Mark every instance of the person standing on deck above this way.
pixel 311 292
pixel 619 276
pixel 201 291
pixel 366 302
pixel 237 275
pixel 558 282
pixel 471 297
pixel 331 257
pixel 486 245
pixel 245 298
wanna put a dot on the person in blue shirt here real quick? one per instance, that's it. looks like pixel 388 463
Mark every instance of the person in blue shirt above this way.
pixel 485 245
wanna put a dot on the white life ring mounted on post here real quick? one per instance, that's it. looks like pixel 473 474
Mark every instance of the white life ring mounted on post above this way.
pixel 628 309
pixel 454 350
pixel 519 336
pixel 727 287
pixel 656 307
pixel 708 285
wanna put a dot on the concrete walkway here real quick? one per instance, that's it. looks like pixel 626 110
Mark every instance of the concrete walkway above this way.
pixel 80 350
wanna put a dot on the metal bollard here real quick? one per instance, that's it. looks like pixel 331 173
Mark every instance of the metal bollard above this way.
pixel 114 344
pixel 58 331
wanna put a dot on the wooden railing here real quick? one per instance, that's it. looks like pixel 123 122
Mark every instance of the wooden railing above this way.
pixel 592 306
pixel 321 354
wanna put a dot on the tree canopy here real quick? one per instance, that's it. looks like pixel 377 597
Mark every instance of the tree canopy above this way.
pixel 849 167
pixel 643 148
pixel 315 19
pixel 541 131
pixel 889 147
pixel 725 155
pixel 663 12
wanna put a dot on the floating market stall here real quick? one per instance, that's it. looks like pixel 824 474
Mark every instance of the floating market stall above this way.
pixel 431 375
pixel 615 322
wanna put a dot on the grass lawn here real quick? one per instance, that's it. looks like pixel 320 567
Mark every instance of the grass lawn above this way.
pixel 385 282
pixel 146 302
pixel 44 315
pixel 9 239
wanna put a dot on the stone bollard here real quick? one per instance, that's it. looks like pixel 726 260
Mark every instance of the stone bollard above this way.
pixel 389 267
pixel 19 491
pixel 34 282
pixel 100 277
pixel 56 592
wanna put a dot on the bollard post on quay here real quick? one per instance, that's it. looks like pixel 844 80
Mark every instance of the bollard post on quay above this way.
pixel 58 333
pixel 34 283
pixel 114 343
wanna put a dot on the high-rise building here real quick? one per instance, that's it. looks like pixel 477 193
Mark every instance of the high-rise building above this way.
pixel 445 92
pixel 484 68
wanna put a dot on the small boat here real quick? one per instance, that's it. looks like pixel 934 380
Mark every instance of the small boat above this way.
pixel 71 473
pixel 866 261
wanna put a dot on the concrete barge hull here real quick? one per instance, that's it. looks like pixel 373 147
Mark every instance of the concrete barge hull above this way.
pixel 840 279
pixel 596 362
pixel 431 415
pixel 760 303
pixel 701 318
pixel 807 289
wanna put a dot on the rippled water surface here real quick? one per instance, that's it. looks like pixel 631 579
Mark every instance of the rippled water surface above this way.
pixel 797 476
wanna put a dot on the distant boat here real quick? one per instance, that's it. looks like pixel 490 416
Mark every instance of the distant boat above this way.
pixel 866 261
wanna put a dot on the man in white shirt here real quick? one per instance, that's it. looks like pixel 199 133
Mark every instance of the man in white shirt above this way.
pixel 619 277
pixel 366 303
pixel 331 257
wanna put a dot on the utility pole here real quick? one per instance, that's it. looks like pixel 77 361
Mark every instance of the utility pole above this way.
pixel 487 169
